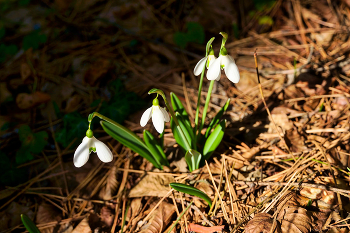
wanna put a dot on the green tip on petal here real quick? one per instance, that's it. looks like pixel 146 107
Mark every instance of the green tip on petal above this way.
pixel 89 133
pixel 155 102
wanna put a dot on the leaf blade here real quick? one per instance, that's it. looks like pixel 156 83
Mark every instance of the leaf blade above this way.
pixel 155 148
pixel 130 140
pixel 216 119
pixel 214 140
pixel 192 191
pixel 29 224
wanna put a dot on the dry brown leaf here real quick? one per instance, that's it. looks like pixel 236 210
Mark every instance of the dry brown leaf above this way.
pixel 200 229
pixel 83 227
pixel 25 101
pixel 10 217
pixel 159 219
pixel 295 220
pixel 338 230
pixel 111 184
pixel 161 49
pixel 47 213
pixel 73 103
pixel 262 223
pixel 135 208
pixel 282 121
pixel 294 140
pixel 96 71
pixel 320 217
pixel 107 216
pixel 152 185
pixel 25 71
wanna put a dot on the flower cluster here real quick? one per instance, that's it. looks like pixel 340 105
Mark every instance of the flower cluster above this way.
pixel 215 65
pixel 183 132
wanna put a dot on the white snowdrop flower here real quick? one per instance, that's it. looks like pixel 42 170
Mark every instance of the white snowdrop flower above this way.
pixel 208 60
pixel 89 144
pixel 159 116
pixel 227 63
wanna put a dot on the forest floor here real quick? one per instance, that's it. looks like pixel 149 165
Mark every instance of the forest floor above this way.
pixel 284 168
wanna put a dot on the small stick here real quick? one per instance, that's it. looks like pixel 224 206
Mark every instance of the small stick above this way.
pixel 267 109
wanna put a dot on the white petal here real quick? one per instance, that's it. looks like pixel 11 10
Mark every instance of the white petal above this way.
pixel 81 154
pixel 231 71
pixel 146 116
pixel 200 66
pixel 158 119
pixel 103 152
pixel 218 78
pixel 211 58
pixel 166 114
pixel 214 69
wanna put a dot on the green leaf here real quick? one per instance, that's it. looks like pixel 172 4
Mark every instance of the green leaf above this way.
pixel 74 126
pixel 23 2
pixel 6 51
pixel 265 20
pixel 214 140
pixel 178 107
pixel 33 40
pixel 129 139
pixel 155 148
pixel 195 32
pixel 217 118
pixel 191 190
pixel 121 104
pixel 186 129
pixel 29 225
pixel 31 143
pixel 193 159
pixel 2 32
pixel 180 39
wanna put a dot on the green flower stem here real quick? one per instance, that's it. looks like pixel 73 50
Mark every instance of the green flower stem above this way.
pixel 206 105
pixel 92 115
pixel 207 48
pixel 199 100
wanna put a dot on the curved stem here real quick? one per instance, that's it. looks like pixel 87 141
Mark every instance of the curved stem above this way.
pixel 206 106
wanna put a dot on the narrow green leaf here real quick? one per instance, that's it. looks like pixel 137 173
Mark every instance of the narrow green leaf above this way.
pixel 155 148
pixel 178 107
pixel 177 136
pixel 191 190
pixel 214 140
pixel 187 130
pixel 129 139
pixel 193 159
pixel 29 225
pixel 217 118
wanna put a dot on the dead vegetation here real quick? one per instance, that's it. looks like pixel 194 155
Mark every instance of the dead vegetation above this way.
pixel 285 174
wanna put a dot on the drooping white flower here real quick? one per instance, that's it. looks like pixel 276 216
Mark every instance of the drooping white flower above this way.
pixel 227 63
pixel 208 60
pixel 159 116
pixel 89 144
